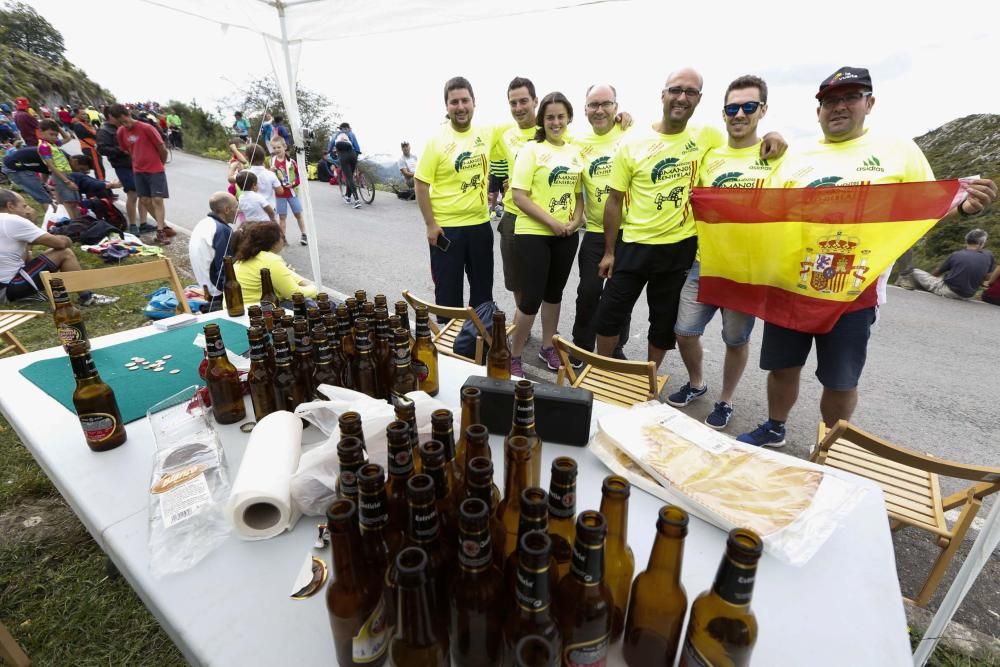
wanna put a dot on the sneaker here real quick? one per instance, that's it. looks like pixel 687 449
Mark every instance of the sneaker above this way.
pixel 134 230
pixel 347 200
pixel 550 357
pixel 575 363
pixel 357 204
pixel 146 228
pixel 34 297
pixel 619 353
pixel 169 231
pixel 906 282
pixel 161 238
pixel 98 300
pixel 686 395
pixel 516 369
pixel 721 414
pixel 303 240
pixel 767 434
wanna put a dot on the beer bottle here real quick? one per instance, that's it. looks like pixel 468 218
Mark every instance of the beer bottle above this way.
pixel 231 290
pixel 268 317
pixel 345 332
pixel 378 543
pixel 288 324
pixel 360 296
pixel 476 588
pixel 722 629
pixel 95 403
pixel 259 377
pixel 350 456
pixel 432 456
pixel 268 297
pixel 424 531
pixel 381 301
pixel 658 603
pixel 365 372
pixel 284 374
pixel 222 379
pixel 314 317
pixel 353 596
pixel 400 461
pixel 254 311
pixel 535 651
pixel 67 316
pixel 323 303
pixel 339 362
pixel 350 424
pixel 584 605
pixel 382 352
pixel 534 516
pixel 562 512
pixel 330 322
pixel 407 412
pixel 441 430
pixel 517 477
pixel 471 414
pixel 403 379
pixel 298 305
pixel 368 312
pixel 498 359
pixel 404 319
pixel 619 563
pixel 479 484
pixel 524 424
pixel 417 642
pixel 305 365
pixel 324 371
pixel 279 314
pixel 353 308
pixel 425 354
pixel 477 444
pixel 533 613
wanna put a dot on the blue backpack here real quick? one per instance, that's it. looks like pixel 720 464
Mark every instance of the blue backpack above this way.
pixel 465 341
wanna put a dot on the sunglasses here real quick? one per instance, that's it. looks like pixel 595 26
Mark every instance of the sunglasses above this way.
pixel 748 108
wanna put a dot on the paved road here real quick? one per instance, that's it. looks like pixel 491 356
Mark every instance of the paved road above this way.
pixel 930 383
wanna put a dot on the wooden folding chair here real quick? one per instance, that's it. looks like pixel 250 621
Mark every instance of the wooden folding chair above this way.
pixel 9 319
pixel 115 276
pixel 444 335
pixel 611 380
pixel 11 652
pixel 909 481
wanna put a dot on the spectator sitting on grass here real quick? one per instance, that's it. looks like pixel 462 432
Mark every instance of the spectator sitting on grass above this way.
pixel 87 184
pixel 959 276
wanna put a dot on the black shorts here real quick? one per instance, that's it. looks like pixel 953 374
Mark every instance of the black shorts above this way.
pixel 543 267
pixel 840 353
pixel 661 269
pixel 126 178
pixel 151 185
pixel 496 182
pixel 19 287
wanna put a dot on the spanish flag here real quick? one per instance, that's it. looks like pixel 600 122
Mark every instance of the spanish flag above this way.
pixel 799 257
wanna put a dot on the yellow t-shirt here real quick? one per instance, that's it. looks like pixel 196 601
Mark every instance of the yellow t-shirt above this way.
pixel 656 172
pixel 867 160
pixel 284 280
pixel 552 177
pixel 456 165
pixel 598 153
pixel 508 144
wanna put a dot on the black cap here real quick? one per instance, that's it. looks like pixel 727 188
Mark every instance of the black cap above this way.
pixel 845 76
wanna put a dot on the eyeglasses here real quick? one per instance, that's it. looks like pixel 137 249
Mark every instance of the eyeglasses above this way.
pixel 607 105
pixel 748 108
pixel 831 101
pixel 677 90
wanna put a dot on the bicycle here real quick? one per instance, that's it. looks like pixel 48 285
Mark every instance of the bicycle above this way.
pixel 362 181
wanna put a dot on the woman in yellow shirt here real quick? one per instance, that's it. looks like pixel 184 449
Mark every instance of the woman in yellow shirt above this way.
pixel 257 248
pixel 547 187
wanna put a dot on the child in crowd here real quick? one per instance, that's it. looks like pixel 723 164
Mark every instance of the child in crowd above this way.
pixel 58 165
pixel 287 171
pixel 253 206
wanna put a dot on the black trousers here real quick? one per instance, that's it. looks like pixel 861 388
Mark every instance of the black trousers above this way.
pixel 348 163
pixel 470 254
pixel 588 294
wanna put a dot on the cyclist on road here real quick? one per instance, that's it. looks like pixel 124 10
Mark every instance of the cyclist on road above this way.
pixel 347 152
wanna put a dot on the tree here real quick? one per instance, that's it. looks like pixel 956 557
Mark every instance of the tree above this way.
pixel 21 27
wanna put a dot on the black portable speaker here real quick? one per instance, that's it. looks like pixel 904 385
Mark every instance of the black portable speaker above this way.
pixel 562 414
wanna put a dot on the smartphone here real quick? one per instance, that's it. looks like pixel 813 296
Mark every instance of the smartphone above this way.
pixel 443 243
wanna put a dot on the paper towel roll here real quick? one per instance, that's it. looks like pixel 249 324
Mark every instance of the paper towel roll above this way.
pixel 260 505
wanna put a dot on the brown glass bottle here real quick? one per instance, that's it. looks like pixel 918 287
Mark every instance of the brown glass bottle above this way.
pixel 314 317
pixel 368 312
pixel 498 359
pixel 231 290
pixel 583 601
pixel 341 366
pixel 254 311
pixel 476 590
pixel 403 379
pixel 442 431
pixel 517 477
pixel 400 466
pixel 323 303
pixel 523 423
pixel 360 296
pixel 477 441
pixel 533 613
pixel 658 603
pixel 722 629
pixel 67 316
pixel 288 324
pixel 353 308
pixel 305 364
pixel 259 378
pixel 534 516
pixel 284 373
pixel 381 301
pixel 330 322
pixel 365 370
pixel 432 456
pixel 350 423
pixel 407 412
pixel 479 484
pixel 95 403
pixel 299 305
pixel 345 332
pixel 350 456
pixel 404 319
pixel 417 642
pixel 424 531
pixel 425 354
pixel 222 379
pixel 353 596
pixel 324 372
pixel 379 542
pixel 562 512
pixel 382 352
pixel 268 297
pixel 535 651
pixel 471 414
pixel 268 317
pixel 619 562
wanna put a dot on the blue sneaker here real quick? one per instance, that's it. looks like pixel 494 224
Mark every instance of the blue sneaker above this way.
pixel 721 414
pixel 686 395
pixel 767 434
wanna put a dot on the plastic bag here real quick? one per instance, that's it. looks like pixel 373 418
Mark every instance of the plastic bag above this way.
pixel 314 483
pixel 189 486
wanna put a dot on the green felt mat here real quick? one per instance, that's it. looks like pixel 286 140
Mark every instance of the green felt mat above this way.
pixel 138 390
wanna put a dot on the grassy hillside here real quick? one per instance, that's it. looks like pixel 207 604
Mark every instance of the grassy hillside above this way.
pixel 39 80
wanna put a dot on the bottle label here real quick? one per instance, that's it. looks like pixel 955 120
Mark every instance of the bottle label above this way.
pixel 588 563
pixel 532 588
pixel 562 500
pixel 425 522
pixel 400 461
pixel 474 551
pixel 83 367
pixel 98 426
pixel 734 583
pixel 215 348
pixel 402 355
pixel 69 332
pixel 691 656
pixel 304 344
pixel 524 413
pixel 372 639
pixel 420 368
pixel 372 512
pixel 593 653
pixel 258 350
pixel 282 355
pixel 324 355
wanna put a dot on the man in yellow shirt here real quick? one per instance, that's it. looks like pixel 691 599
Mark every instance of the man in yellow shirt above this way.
pixel 848 154
pixel 738 164
pixel 451 182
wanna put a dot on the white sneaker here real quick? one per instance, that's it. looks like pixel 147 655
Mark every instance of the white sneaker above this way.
pixel 99 300
pixel 347 200
pixel 357 204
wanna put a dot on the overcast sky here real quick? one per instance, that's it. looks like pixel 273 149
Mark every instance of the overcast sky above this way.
pixel 929 63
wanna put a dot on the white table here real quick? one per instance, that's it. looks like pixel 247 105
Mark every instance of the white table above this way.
pixel 843 608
